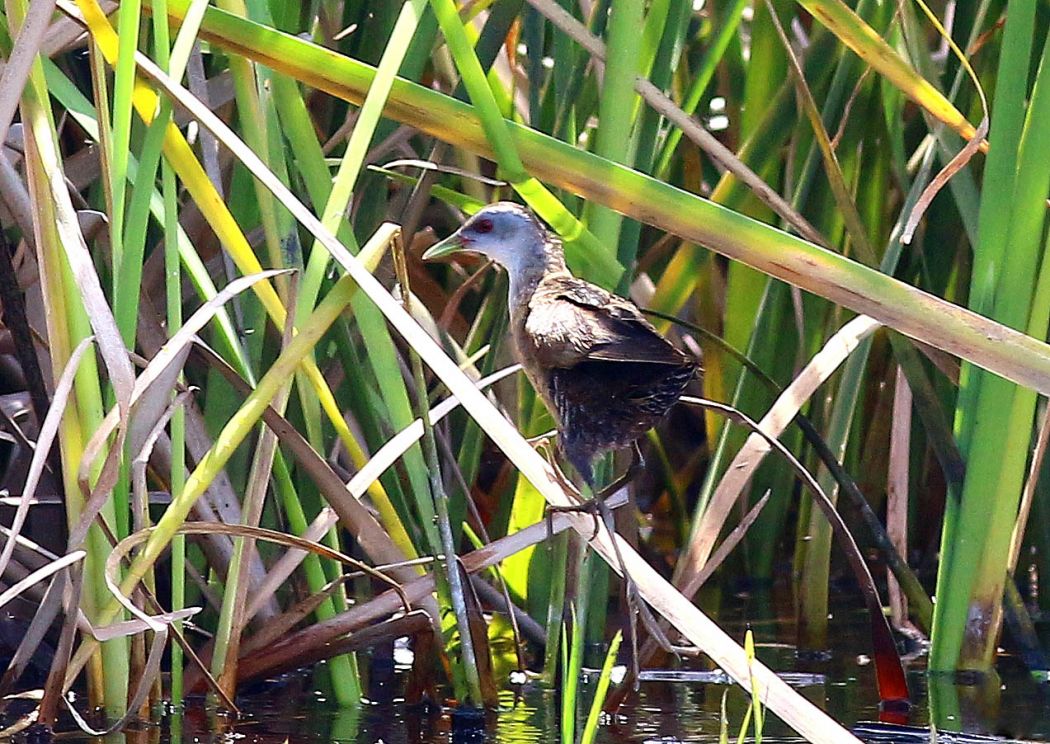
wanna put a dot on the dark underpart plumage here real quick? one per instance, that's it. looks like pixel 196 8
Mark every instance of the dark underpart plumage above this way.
pixel 604 406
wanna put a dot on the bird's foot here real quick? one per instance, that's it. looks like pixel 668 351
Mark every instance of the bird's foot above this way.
pixel 591 506
pixel 542 440
pixel 635 605
pixel 637 609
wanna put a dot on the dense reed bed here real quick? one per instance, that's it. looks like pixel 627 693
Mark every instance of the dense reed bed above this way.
pixel 277 437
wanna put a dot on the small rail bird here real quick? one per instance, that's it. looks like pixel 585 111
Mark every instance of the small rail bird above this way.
pixel 601 368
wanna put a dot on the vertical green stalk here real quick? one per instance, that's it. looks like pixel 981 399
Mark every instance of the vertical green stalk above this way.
pixel 173 286
pixel 1004 265
pixel 123 85
pixel 585 253
pixel 728 23
pixel 129 271
pixel 590 728
pixel 556 605
pixel 450 587
pixel 67 325
pixel 613 136
pixel 572 662
pixel 173 297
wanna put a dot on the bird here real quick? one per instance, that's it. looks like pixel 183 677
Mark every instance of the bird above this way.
pixel 604 372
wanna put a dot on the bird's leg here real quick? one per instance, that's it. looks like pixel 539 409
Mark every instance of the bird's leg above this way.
pixel 563 481
pixel 633 469
pixel 630 588
pixel 636 606
pixel 596 505
pixel 659 636
pixel 590 505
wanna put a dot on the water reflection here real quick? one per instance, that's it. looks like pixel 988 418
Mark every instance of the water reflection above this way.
pixel 680 705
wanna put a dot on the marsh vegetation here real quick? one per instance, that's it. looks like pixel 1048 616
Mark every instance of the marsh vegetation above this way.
pixel 247 429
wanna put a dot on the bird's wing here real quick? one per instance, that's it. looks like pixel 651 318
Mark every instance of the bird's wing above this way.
pixel 571 321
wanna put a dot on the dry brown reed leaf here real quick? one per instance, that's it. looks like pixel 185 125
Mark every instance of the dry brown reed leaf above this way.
pixel 961 158
pixel 39 575
pixel 18 64
pixel 45 439
pixel 283 623
pixel 750 456
pixel 383 605
pixel 140 500
pixel 897 490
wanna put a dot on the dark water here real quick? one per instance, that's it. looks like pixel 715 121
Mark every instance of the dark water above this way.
pixel 840 681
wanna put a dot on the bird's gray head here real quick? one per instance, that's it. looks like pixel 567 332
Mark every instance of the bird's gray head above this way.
pixel 508 234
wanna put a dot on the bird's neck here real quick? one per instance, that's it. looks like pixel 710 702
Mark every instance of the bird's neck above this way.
pixel 524 279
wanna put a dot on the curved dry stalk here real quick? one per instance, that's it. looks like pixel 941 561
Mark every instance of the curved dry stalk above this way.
pixel 892 684
pixel 122 548
pixel 278 654
pixel 159 625
pixel 148 397
pixel 743 466
pixel 961 158
pixel 44 440
pixel 39 575
pixel 140 502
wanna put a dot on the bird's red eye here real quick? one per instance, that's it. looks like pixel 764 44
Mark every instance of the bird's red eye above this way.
pixel 483 226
